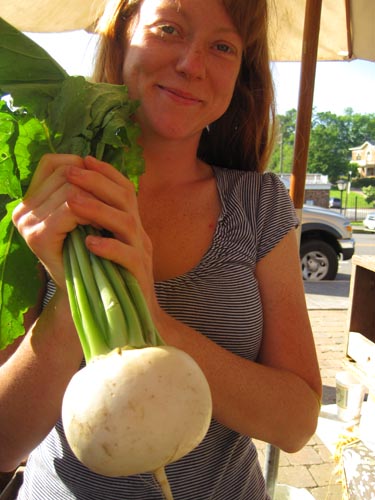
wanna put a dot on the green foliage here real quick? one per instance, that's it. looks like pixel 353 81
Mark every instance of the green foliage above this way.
pixel 330 139
pixel 282 158
pixel 369 193
pixel 363 182
pixel 19 279
pixel 49 111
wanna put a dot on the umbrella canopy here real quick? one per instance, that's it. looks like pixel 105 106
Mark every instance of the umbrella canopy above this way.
pixel 346 31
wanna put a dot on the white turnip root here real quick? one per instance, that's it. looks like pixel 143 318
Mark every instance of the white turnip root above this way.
pixel 136 410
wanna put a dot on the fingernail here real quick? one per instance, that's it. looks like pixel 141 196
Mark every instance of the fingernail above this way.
pixel 79 199
pixel 93 241
pixel 75 171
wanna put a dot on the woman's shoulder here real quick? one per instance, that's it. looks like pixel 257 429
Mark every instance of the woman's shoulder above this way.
pixel 261 185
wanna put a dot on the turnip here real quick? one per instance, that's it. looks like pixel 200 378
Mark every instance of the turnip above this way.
pixel 138 405
pixel 137 410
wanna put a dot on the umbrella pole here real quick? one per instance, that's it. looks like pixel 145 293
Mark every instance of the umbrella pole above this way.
pixel 311 30
pixel 305 101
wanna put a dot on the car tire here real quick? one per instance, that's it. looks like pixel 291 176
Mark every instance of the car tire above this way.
pixel 319 261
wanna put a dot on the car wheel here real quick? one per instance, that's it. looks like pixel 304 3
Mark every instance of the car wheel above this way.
pixel 319 261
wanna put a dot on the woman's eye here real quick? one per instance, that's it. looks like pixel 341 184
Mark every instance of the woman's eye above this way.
pixel 167 29
pixel 223 47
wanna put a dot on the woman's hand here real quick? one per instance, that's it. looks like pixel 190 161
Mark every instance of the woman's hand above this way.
pixel 44 217
pixel 66 191
pixel 107 199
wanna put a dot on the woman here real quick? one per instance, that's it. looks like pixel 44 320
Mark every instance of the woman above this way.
pixel 210 239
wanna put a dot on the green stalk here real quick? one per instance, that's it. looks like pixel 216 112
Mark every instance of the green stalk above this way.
pixel 150 332
pixel 136 336
pixel 117 330
pixel 135 333
pixel 77 237
pixel 90 335
pixel 108 306
pixel 76 314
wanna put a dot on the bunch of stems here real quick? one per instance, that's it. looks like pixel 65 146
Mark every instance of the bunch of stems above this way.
pixel 107 304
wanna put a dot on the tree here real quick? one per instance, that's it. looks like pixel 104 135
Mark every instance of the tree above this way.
pixel 328 153
pixel 330 140
pixel 369 193
pixel 282 158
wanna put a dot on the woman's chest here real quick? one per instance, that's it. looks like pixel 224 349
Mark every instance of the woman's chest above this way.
pixel 181 230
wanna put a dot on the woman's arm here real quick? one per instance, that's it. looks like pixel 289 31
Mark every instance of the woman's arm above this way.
pixel 33 380
pixel 277 398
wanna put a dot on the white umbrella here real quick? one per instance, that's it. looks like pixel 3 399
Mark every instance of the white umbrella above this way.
pixel 346 32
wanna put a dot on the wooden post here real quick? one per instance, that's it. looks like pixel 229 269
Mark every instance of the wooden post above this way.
pixel 301 146
pixel 305 100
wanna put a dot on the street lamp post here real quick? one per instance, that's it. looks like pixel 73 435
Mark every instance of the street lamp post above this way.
pixel 341 187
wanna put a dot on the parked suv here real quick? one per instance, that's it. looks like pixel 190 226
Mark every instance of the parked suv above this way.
pixel 326 237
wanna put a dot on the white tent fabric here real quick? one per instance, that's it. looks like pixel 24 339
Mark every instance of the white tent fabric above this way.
pixel 286 24
pixel 346 30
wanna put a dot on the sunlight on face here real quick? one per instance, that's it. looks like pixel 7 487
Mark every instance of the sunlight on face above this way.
pixel 181 68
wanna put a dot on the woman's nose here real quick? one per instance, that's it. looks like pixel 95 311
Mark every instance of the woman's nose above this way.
pixel 192 62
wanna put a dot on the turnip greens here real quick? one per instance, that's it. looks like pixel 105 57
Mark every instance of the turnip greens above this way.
pixel 48 111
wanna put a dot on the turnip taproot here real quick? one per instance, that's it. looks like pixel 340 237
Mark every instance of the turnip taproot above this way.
pixel 136 410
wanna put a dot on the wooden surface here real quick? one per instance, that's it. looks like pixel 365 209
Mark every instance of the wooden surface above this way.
pixel 360 342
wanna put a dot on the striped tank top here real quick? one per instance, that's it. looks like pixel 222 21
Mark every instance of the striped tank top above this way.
pixel 219 298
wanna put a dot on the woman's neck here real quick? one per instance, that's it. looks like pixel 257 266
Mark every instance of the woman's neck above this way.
pixel 171 163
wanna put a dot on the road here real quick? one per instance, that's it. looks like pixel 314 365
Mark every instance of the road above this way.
pixel 335 294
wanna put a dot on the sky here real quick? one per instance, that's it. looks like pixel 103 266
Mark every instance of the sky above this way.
pixel 338 85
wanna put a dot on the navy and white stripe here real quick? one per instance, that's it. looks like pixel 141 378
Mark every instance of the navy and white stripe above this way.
pixel 220 299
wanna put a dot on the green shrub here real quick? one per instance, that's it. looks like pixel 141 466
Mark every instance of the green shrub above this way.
pixel 363 182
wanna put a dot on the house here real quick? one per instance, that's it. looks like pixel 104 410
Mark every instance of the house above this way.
pixel 317 188
pixel 364 157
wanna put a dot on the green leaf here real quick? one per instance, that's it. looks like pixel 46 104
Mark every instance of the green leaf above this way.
pixel 49 111
pixel 32 143
pixel 19 279
pixel 9 183
pixel 27 71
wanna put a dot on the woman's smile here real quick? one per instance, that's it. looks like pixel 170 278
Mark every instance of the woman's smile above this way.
pixel 180 96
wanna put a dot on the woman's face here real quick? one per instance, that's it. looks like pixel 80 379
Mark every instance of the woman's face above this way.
pixel 182 62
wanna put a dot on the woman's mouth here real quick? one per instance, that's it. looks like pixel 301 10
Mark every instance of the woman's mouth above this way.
pixel 180 95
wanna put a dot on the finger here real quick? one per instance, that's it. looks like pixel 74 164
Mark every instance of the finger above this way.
pixel 105 183
pixel 45 201
pixel 42 222
pixel 139 263
pixel 126 226
pixel 48 165
pixel 108 170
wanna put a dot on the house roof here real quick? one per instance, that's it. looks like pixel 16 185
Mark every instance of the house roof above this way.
pixel 313 181
pixel 364 146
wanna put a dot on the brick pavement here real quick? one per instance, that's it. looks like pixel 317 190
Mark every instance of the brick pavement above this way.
pixel 313 468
